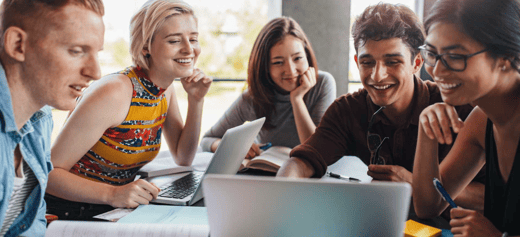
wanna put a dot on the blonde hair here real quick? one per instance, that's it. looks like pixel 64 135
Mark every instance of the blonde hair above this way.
pixel 147 20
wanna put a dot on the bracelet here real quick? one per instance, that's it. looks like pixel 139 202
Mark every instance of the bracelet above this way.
pixel 505 234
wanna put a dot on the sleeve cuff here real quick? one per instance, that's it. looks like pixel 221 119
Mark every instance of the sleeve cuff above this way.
pixel 206 142
pixel 312 156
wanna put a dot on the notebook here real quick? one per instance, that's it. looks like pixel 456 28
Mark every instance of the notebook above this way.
pixel 232 150
pixel 268 206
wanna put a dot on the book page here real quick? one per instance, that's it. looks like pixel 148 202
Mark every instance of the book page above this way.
pixel 274 156
pixel 108 229
pixel 350 166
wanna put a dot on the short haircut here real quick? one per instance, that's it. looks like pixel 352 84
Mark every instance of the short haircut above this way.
pixel 261 87
pixel 386 21
pixel 147 21
pixel 495 24
pixel 36 14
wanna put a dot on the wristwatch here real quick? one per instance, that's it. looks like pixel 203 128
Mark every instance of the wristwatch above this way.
pixel 505 234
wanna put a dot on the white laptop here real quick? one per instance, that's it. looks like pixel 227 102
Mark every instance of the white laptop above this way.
pixel 268 206
pixel 185 190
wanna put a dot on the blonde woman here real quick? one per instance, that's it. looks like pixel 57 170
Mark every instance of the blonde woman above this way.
pixel 116 126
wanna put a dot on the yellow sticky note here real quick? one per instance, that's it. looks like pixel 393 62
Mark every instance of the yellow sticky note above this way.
pixel 416 229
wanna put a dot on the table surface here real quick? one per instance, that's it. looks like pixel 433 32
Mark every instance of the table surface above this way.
pixel 438 222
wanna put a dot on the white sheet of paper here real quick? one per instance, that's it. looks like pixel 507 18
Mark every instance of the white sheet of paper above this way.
pixel 350 166
pixel 163 164
pixel 166 214
pixel 115 214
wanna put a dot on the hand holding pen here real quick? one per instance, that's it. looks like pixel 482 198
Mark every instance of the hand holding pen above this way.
pixel 438 186
pixel 256 150
pixel 464 221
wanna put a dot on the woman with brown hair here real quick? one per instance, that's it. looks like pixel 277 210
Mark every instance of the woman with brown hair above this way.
pixel 284 85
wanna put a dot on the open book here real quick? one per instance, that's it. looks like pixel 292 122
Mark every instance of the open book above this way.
pixel 109 229
pixel 269 160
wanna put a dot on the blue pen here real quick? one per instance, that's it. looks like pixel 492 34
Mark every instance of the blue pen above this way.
pixel 266 146
pixel 437 184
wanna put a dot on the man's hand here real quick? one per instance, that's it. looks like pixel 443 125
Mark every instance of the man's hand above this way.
pixel 392 173
pixel 295 168
pixel 466 222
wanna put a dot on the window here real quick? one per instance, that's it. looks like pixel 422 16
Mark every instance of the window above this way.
pixel 227 30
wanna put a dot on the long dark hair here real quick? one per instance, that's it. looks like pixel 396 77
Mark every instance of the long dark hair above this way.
pixel 261 87
pixel 493 23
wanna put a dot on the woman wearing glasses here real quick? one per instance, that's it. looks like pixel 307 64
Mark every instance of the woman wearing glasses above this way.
pixel 284 85
pixel 473 52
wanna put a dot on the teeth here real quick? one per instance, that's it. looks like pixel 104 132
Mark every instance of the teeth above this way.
pixel 183 60
pixel 78 88
pixel 448 85
pixel 381 87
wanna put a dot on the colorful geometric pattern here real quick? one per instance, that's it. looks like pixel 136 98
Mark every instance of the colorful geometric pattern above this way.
pixel 123 150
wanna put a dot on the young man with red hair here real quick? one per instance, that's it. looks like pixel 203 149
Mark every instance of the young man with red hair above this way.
pixel 48 54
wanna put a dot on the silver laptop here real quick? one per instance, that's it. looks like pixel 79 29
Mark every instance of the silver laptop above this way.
pixel 184 189
pixel 268 206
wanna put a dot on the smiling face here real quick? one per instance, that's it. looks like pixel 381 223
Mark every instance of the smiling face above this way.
pixel 175 47
pixel 288 62
pixel 480 75
pixel 61 62
pixel 386 71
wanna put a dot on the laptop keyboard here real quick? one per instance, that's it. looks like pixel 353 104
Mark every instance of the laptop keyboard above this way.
pixel 182 187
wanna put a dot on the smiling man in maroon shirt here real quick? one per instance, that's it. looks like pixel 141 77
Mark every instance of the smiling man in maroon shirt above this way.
pixel 379 123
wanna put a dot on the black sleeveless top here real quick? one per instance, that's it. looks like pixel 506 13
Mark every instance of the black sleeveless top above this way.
pixel 502 200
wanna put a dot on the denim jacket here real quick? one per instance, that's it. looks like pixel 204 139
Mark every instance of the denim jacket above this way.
pixel 34 139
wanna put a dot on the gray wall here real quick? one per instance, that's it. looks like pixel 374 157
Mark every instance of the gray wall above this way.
pixel 326 24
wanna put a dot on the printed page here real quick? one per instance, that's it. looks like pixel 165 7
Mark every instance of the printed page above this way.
pixel 350 166
pixel 108 229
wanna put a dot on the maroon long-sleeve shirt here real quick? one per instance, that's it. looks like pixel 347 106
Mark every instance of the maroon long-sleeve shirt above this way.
pixel 343 130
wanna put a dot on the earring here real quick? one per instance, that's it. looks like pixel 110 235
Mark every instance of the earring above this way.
pixel 504 68
pixel 147 55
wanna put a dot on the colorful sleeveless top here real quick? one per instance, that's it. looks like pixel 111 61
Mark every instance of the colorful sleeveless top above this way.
pixel 123 150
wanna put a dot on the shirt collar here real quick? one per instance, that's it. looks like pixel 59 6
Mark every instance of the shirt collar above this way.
pixel 282 97
pixel 420 100
pixel 7 112
pixel 6 105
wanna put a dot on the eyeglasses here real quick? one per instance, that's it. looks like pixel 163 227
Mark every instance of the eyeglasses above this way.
pixel 454 62
pixel 374 142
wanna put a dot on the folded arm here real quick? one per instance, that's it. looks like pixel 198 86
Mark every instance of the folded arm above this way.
pixel 459 167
